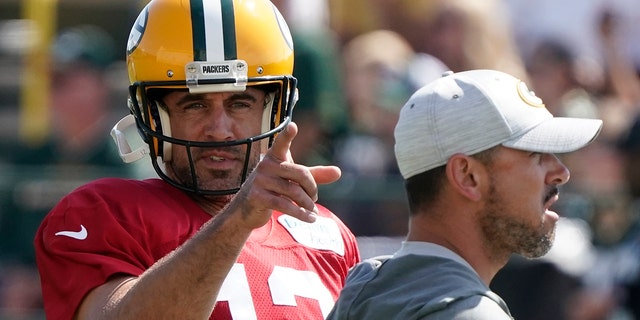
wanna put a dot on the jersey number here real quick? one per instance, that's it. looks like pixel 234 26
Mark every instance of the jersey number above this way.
pixel 284 283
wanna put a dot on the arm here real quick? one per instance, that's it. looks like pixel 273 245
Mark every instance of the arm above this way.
pixel 185 283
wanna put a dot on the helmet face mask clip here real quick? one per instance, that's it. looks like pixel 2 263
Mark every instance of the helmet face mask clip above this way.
pixel 204 76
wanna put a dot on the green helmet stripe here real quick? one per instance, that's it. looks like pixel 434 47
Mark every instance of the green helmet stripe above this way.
pixel 229 30
pixel 198 31
pixel 213 24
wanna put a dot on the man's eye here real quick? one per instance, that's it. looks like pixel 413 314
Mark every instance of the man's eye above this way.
pixel 240 106
pixel 537 155
pixel 193 106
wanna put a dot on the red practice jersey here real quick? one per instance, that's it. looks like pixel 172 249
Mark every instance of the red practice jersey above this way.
pixel 288 269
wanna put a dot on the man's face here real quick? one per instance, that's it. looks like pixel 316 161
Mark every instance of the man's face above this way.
pixel 214 117
pixel 522 187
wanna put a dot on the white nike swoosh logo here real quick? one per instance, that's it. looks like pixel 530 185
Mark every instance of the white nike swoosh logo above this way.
pixel 80 235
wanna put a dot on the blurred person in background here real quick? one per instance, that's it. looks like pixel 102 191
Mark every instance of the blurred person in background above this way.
pixel 376 66
pixel 77 149
pixel 614 277
pixel 380 70
pixel 463 34
pixel 554 74
pixel 82 104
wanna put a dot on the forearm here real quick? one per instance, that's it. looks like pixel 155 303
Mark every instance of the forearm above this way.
pixel 182 285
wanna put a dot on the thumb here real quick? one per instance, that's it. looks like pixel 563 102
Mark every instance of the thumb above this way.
pixel 282 143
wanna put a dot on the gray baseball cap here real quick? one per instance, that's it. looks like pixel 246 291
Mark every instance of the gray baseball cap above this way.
pixel 472 111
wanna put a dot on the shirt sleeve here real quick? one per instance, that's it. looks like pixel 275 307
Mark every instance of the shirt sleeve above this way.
pixel 79 246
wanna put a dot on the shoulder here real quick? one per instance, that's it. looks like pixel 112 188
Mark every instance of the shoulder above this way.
pixel 116 200
pixel 365 271
pixel 397 286
pixel 122 185
pixel 115 190
pixel 367 268
pixel 472 307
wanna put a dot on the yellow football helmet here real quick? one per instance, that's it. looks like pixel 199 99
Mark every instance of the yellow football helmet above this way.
pixel 207 46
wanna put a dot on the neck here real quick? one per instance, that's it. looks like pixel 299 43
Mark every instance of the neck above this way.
pixel 461 238
pixel 211 204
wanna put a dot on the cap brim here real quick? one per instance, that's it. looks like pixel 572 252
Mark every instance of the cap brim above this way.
pixel 557 135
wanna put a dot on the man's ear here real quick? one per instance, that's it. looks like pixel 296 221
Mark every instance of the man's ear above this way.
pixel 464 175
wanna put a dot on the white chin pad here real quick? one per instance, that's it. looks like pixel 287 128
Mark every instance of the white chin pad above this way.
pixel 166 131
pixel 127 137
pixel 266 121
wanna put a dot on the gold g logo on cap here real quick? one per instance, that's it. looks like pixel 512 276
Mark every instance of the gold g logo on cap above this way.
pixel 528 96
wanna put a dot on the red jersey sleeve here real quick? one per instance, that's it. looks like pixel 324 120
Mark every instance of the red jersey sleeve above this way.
pixel 98 231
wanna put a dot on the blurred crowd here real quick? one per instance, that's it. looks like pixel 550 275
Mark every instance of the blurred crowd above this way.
pixel 357 61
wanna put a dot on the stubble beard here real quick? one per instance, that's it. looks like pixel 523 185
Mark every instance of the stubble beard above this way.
pixel 506 234
pixel 214 179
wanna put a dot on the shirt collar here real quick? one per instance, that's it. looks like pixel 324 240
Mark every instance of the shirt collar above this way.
pixel 430 249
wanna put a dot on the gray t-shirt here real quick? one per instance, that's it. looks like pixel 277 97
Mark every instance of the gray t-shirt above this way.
pixel 412 285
